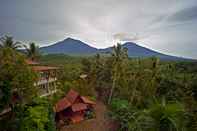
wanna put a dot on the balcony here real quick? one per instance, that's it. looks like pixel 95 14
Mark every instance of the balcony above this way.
pixel 48 93
pixel 44 81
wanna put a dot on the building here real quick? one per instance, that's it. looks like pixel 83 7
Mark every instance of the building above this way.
pixel 73 107
pixel 46 84
pixel 47 78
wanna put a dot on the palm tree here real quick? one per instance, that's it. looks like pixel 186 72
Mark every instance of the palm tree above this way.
pixel 32 51
pixel 159 116
pixel 8 42
pixel 118 56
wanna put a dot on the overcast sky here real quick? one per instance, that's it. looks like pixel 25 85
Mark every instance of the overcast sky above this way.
pixel 168 26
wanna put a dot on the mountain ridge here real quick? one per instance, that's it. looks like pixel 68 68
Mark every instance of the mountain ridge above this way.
pixel 72 46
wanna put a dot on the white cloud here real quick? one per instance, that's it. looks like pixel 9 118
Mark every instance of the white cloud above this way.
pixel 97 21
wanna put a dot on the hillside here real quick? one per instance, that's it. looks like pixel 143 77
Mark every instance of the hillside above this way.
pixel 69 46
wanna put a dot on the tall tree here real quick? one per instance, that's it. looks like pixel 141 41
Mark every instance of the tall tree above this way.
pixel 8 42
pixel 15 77
pixel 118 55
pixel 32 51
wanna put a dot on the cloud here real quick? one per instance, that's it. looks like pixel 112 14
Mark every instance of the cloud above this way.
pixel 99 22
pixel 186 14
pixel 125 37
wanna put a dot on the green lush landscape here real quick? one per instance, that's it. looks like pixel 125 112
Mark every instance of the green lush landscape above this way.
pixel 141 94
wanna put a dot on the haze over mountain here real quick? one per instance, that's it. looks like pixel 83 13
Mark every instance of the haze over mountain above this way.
pixel 71 46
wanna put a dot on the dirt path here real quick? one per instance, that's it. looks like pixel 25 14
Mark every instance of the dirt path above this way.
pixel 100 123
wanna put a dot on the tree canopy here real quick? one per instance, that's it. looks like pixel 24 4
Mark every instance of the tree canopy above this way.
pixel 8 42
pixel 15 77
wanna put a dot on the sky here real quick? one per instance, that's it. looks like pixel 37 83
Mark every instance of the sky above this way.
pixel 167 26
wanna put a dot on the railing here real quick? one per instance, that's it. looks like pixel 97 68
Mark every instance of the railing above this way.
pixel 49 93
pixel 44 81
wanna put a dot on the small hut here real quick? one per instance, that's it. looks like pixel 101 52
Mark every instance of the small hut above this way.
pixel 73 107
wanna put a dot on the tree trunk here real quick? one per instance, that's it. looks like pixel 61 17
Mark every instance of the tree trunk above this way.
pixel 113 87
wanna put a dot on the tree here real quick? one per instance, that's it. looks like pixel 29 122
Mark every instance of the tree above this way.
pixel 86 65
pixel 8 42
pixel 158 116
pixel 118 55
pixel 37 116
pixel 16 77
pixel 32 51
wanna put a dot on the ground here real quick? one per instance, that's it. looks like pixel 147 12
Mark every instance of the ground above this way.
pixel 100 123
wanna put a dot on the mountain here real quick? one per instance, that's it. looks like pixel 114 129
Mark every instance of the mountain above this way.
pixel 135 50
pixel 76 47
pixel 69 46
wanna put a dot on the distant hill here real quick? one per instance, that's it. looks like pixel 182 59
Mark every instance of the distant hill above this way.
pixel 71 46
pixel 135 50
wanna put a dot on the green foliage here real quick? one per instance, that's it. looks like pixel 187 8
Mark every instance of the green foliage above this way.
pixel 32 51
pixel 119 56
pixel 15 76
pixel 51 126
pixel 156 117
pixel 60 60
pixel 166 116
pixel 8 42
pixel 38 116
pixel 121 111
pixel 36 119
pixel 86 65
pixel 138 86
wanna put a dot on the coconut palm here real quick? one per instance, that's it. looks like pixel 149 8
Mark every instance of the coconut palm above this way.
pixel 8 42
pixel 118 56
pixel 32 51
pixel 160 116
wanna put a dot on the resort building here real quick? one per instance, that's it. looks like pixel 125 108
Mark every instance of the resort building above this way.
pixel 47 81
pixel 46 84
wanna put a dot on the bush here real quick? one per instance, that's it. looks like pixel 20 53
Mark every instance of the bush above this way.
pixel 38 116
pixel 159 116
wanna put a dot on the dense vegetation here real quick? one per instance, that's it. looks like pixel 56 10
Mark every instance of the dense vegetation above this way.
pixel 141 94
pixel 27 112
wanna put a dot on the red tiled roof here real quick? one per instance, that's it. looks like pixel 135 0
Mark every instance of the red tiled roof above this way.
pixel 61 105
pixel 70 101
pixel 78 107
pixel 43 68
pixel 72 96
pixel 30 62
pixel 87 101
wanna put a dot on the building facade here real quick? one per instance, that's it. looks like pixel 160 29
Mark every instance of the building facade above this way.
pixel 46 83
pixel 47 78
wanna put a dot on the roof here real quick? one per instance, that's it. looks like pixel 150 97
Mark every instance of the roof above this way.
pixel 70 101
pixel 78 107
pixel 30 62
pixel 37 67
pixel 72 96
pixel 87 101
pixel 43 68
pixel 62 104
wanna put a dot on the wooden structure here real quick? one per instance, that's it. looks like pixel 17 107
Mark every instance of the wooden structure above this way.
pixel 72 107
